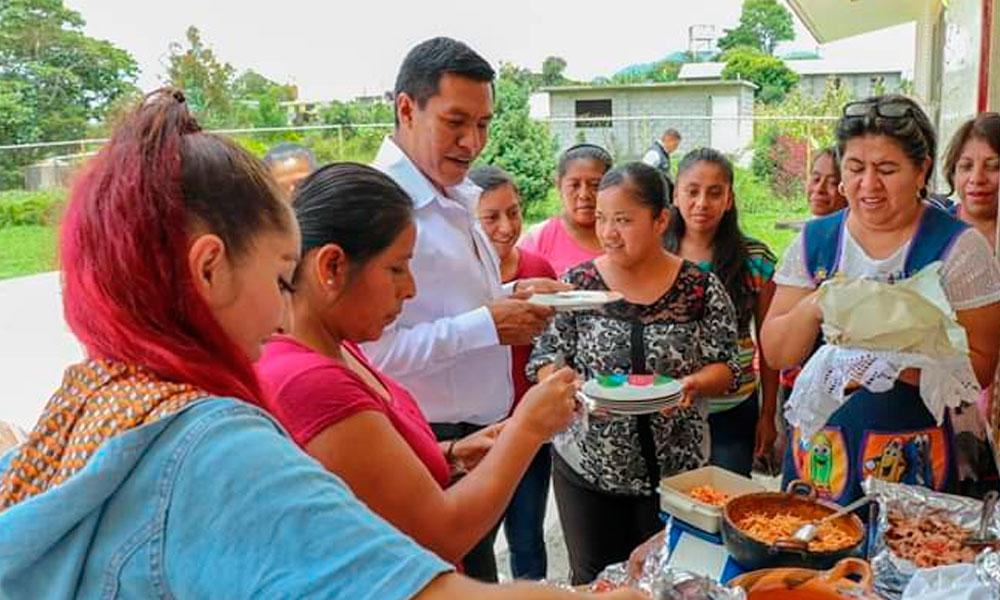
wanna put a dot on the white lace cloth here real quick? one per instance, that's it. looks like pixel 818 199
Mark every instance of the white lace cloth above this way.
pixel 819 389
pixel 970 278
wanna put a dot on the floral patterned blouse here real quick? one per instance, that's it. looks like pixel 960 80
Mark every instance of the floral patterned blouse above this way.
pixel 692 325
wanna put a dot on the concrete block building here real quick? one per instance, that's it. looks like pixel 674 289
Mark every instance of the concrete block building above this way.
pixel 626 119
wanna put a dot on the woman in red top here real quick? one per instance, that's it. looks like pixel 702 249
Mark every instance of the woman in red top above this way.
pixel 357 240
pixel 500 218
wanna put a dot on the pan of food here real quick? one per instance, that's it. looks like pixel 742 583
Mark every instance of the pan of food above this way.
pixel 758 530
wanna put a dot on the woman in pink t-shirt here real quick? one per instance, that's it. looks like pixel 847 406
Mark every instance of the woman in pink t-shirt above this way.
pixel 357 240
pixel 568 239
pixel 500 218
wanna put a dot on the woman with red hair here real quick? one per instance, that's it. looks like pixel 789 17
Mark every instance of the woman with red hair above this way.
pixel 152 471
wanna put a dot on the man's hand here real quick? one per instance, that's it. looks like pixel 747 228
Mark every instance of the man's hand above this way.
pixel 541 285
pixel 518 321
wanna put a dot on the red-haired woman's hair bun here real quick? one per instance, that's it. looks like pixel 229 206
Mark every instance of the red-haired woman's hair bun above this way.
pixel 128 293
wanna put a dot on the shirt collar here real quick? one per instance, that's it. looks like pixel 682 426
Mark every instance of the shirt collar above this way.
pixel 394 162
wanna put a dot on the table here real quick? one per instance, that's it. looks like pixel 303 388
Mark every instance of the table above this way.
pixel 695 550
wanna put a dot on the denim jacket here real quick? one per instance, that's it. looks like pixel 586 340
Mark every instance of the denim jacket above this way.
pixel 211 502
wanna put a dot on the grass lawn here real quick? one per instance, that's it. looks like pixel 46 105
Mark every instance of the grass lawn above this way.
pixel 760 225
pixel 759 211
pixel 27 249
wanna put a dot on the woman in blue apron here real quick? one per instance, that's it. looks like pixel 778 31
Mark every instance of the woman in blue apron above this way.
pixel 886 146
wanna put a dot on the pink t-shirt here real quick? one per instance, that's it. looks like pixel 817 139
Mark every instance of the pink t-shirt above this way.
pixel 552 242
pixel 310 392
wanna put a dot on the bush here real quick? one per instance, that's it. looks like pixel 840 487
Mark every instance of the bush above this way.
pixel 41 207
pixel 523 147
pixel 771 75
pixel 784 144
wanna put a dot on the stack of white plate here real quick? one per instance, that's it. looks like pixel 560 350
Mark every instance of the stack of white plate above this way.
pixel 637 396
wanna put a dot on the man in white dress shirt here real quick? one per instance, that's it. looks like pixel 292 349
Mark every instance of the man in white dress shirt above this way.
pixel 451 344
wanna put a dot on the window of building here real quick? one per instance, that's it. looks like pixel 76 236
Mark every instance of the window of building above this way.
pixel 593 109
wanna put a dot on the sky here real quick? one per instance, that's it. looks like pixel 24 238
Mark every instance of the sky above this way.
pixel 339 50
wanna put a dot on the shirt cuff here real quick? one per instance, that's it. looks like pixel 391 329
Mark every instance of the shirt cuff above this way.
pixel 508 288
pixel 477 329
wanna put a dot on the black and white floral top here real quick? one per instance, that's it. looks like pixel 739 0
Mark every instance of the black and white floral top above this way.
pixel 692 325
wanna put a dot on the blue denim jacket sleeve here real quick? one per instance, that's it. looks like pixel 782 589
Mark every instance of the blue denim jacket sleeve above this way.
pixel 252 516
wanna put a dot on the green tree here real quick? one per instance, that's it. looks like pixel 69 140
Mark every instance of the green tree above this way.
pixel 259 100
pixel 552 71
pixel 763 23
pixel 772 76
pixel 523 147
pixel 207 81
pixel 660 72
pixel 54 80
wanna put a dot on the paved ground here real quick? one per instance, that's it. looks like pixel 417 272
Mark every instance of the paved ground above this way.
pixel 35 346
pixel 558 562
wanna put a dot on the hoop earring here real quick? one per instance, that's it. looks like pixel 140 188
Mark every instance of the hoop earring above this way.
pixel 923 193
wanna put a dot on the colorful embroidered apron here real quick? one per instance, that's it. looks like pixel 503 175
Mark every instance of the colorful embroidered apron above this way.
pixel 889 435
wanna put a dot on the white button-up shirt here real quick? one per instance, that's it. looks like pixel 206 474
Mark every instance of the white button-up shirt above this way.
pixel 444 347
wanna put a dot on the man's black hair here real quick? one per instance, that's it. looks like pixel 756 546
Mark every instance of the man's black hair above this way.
pixel 421 71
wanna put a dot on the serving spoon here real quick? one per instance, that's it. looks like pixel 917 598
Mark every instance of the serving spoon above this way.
pixel 807 532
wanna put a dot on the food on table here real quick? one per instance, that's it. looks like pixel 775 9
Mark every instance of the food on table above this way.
pixel 929 540
pixel 708 495
pixel 782 526
pixel 603 585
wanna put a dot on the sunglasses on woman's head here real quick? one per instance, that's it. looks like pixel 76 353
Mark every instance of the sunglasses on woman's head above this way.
pixel 889 109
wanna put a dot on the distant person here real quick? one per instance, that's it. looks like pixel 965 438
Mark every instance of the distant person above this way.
pixel 658 156
pixel 500 219
pixel 824 197
pixel 289 164
pixel 675 320
pixel 450 345
pixel 568 239
pixel 823 186
pixel 704 229
pixel 972 168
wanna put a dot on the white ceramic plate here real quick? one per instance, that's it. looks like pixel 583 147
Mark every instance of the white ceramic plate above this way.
pixel 576 299
pixel 665 392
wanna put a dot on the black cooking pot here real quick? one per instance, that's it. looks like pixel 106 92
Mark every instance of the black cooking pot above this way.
pixel 800 499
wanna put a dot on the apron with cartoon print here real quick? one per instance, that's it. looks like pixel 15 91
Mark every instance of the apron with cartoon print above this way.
pixel 889 435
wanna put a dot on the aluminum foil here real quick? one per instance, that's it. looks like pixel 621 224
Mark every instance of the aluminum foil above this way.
pixel 892 573
pixel 662 582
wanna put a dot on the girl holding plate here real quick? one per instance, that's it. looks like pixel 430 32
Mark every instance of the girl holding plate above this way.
pixel 675 320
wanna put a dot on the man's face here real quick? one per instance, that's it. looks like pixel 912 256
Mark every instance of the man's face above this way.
pixel 289 173
pixel 445 136
pixel 670 143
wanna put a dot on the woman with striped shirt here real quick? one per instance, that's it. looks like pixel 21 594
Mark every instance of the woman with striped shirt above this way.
pixel 705 230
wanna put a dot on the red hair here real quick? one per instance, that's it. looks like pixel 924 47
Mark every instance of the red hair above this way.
pixel 128 294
